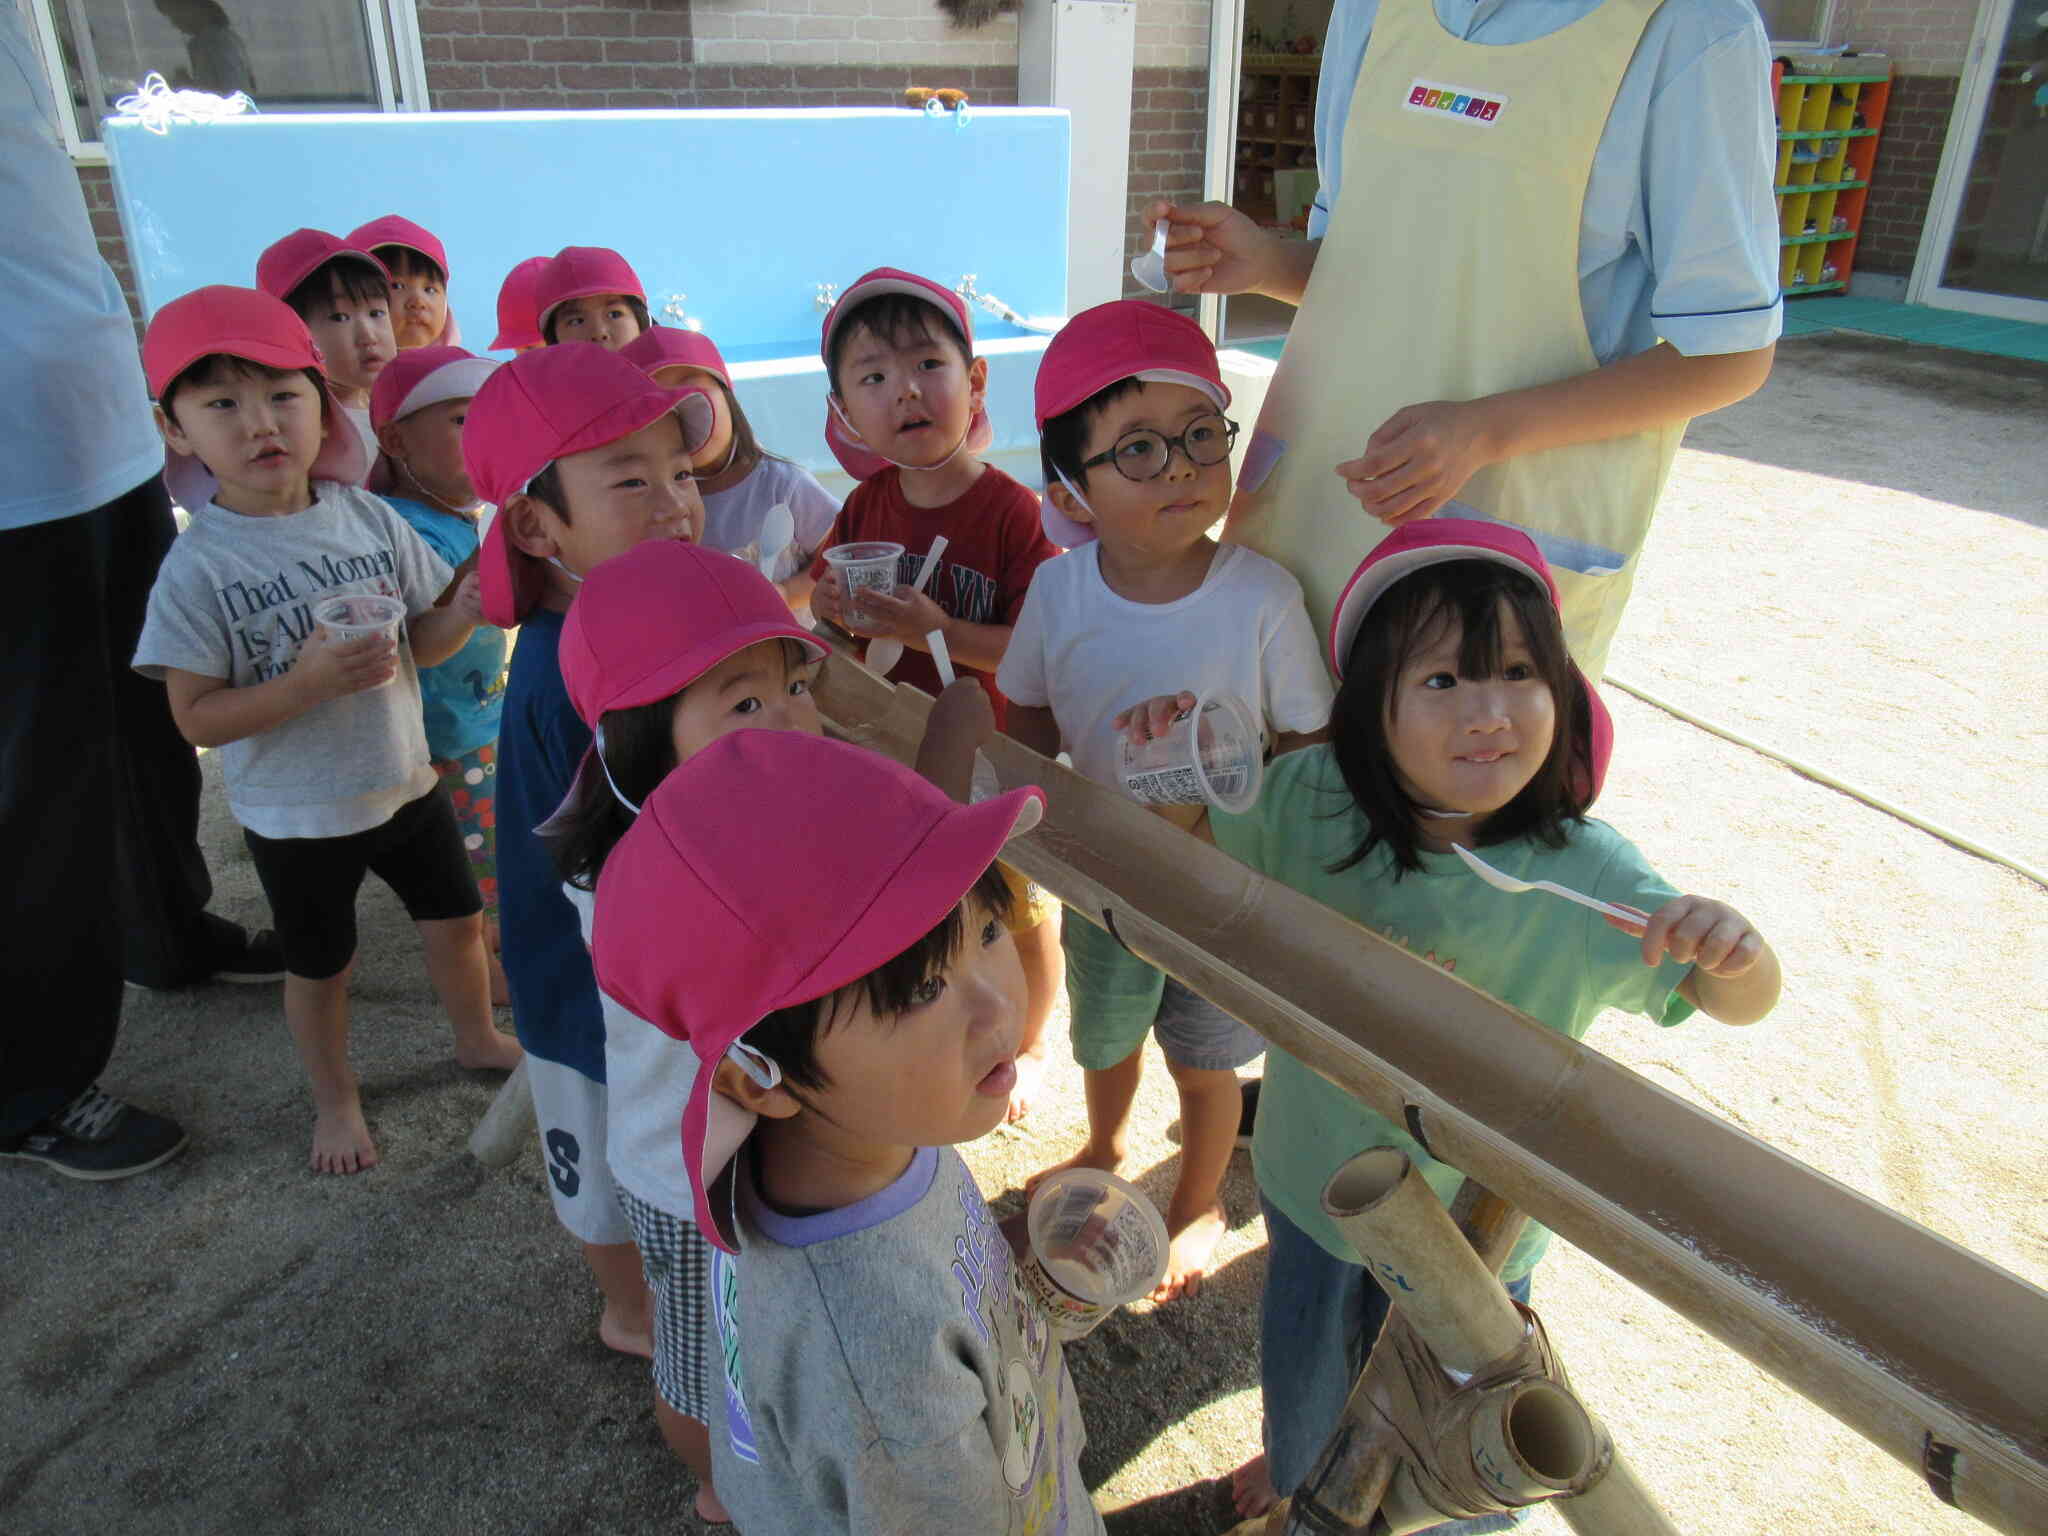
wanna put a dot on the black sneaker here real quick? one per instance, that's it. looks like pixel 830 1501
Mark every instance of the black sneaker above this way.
pixel 258 958
pixel 1248 1111
pixel 96 1136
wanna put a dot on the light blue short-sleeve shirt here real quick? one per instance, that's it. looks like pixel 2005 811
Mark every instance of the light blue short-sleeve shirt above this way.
pixel 1678 239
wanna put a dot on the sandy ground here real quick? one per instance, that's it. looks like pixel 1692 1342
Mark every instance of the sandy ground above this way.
pixel 1849 566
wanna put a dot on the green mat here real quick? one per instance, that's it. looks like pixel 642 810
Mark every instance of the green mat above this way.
pixel 1879 317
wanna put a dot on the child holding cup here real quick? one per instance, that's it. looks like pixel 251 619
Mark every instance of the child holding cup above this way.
pixel 1137 464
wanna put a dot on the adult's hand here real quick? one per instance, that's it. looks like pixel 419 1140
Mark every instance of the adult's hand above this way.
pixel 1213 248
pixel 1419 458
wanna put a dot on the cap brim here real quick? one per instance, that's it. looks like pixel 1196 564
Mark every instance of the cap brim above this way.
pixel 458 380
pixel 505 341
pixel 860 293
pixel 1371 580
pixel 677 673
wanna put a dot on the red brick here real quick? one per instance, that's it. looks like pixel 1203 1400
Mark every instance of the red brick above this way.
pixel 503 23
pixel 568 50
pixel 491 50
pixel 455 77
pixel 597 77
pixel 642 100
pixel 763 77
pixel 643 50
pixel 599 24
pixel 520 77
pixel 441 20
pixel 468 101
pixel 663 22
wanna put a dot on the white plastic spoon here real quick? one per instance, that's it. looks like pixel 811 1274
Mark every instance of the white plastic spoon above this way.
pixel 778 527
pixel 941 657
pixel 1150 268
pixel 883 654
pixel 1501 881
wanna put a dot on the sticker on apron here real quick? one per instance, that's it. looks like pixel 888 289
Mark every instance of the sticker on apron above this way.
pixel 1260 456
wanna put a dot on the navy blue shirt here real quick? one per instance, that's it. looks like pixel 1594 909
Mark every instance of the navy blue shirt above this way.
pixel 540 742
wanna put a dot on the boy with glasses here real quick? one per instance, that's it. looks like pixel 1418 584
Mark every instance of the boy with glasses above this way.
pixel 1129 404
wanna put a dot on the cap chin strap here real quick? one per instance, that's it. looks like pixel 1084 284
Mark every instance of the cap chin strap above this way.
pixel 1073 490
pixel 413 475
pixel 1425 810
pixel 556 562
pixel 832 405
pixel 762 1069
pixel 611 783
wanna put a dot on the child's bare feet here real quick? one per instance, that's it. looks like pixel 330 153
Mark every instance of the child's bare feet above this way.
pixel 710 1507
pixel 1189 1247
pixel 341 1141
pixel 1030 1078
pixel 1090 1156
pixel 491 1051
pixel 1251 1488
pixel 625 1334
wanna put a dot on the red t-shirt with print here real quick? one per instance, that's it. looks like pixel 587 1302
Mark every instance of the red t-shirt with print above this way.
pixel 994 542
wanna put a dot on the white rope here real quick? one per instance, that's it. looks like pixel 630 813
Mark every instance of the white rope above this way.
pixel 156 106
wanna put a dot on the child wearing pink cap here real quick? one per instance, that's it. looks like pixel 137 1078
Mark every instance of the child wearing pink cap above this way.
pixel 1460 720
pixel 855 1007
pixel 518 318
pixel 418 406
pixel 418 264
pixel 585 458
pixel 319 736
pixel 589 293
pixel 1130 405
pixel 743 482
pixel 343 293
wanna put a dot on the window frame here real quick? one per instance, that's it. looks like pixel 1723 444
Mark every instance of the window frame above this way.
pixel 1826 29
pixel 398 66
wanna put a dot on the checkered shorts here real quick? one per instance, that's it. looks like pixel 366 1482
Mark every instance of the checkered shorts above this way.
pixel 677 1263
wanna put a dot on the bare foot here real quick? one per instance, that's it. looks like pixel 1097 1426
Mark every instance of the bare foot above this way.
pixel 1024 1092
pixel 625 1337
pixel 710 1507
pixel 1187 1254
pixel 341 1142
pixel 495 1052
pixel 501 989
pixel 1251 1488
pixel 1087 1157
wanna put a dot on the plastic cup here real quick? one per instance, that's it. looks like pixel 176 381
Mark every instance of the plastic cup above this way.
pixel 1213 753
pixel 1096 1243
pixel 357 614
pixel 864 568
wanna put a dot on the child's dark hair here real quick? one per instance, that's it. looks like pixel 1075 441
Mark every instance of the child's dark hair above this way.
pixel 1063 440
pixel 348 276
pixel 898 319
pixel 746 448
pixel 547 486
pixel 216 366
pixel 789 1036
pixel 404 261
pixel 640 751
pixel 635 303
pixel 1407 617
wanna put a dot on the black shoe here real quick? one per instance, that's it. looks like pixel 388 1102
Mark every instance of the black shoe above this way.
pixel 96 1136
pixel 1248 1111
pixel 257 958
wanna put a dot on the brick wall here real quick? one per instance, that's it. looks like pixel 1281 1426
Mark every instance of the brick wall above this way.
pixel 1923 37
pixel 98 186
pixel 1169 124
pixel 1902 176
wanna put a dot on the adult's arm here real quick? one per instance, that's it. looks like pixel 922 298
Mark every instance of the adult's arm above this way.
pixel 1213 248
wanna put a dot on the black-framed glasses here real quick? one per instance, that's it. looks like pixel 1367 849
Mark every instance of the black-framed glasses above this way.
pixel 1144 454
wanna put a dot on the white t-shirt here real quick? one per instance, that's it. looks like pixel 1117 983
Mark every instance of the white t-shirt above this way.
pixel 365 433
pixel 235 598
pixel 1090 654
pixel 648 1076
pixel 732 517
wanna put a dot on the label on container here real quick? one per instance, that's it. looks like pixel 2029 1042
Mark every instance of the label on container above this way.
pixel 1165 786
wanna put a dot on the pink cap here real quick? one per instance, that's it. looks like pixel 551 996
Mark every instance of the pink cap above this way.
pixel 518 320
pixel 543 406
pixel 240 322
pixel 674 346
pixel 854 456
pixel 881 857
pixel 415 379
pixel 577 272
pixel 289 262
pixel 396 229
pixel 1434 541
pixel 1124 339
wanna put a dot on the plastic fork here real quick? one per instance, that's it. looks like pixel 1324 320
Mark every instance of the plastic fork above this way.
pixel 1501 881
pixel 883 654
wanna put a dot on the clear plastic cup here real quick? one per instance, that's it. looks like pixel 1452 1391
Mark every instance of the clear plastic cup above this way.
pixel 356 614
pixel 862 568
pixel 1096 1243
pixel 1213 753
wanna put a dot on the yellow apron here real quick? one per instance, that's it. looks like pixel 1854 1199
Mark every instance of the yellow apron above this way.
pixel 1449 272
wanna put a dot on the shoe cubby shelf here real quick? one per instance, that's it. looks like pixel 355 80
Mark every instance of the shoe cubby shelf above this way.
pixel 1828 128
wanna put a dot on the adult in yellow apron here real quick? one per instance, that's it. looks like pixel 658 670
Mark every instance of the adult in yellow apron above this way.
pixel 1449 272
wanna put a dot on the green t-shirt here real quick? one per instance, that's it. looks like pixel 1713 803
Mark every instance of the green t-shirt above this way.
pixel 1556 961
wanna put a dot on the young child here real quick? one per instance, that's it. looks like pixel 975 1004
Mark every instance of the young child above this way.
pixel 830 943
pixel 344 296
pixel 585 457
pixel 1460 719
pixel 418 264
pixel 518 318
pixel 899 356
pixel 1129 403
pixel 743 480
pixel 320 738
pixel 418 406
pixel 587 293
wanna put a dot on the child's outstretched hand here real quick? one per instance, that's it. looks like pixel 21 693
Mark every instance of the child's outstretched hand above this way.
pixel 469 598
pixel 828 601
pixel 332 669
pixel 1710 936
pixel 1141 722
pixel 904 615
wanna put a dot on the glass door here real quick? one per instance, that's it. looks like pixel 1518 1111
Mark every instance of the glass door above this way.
pixel 1985 249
